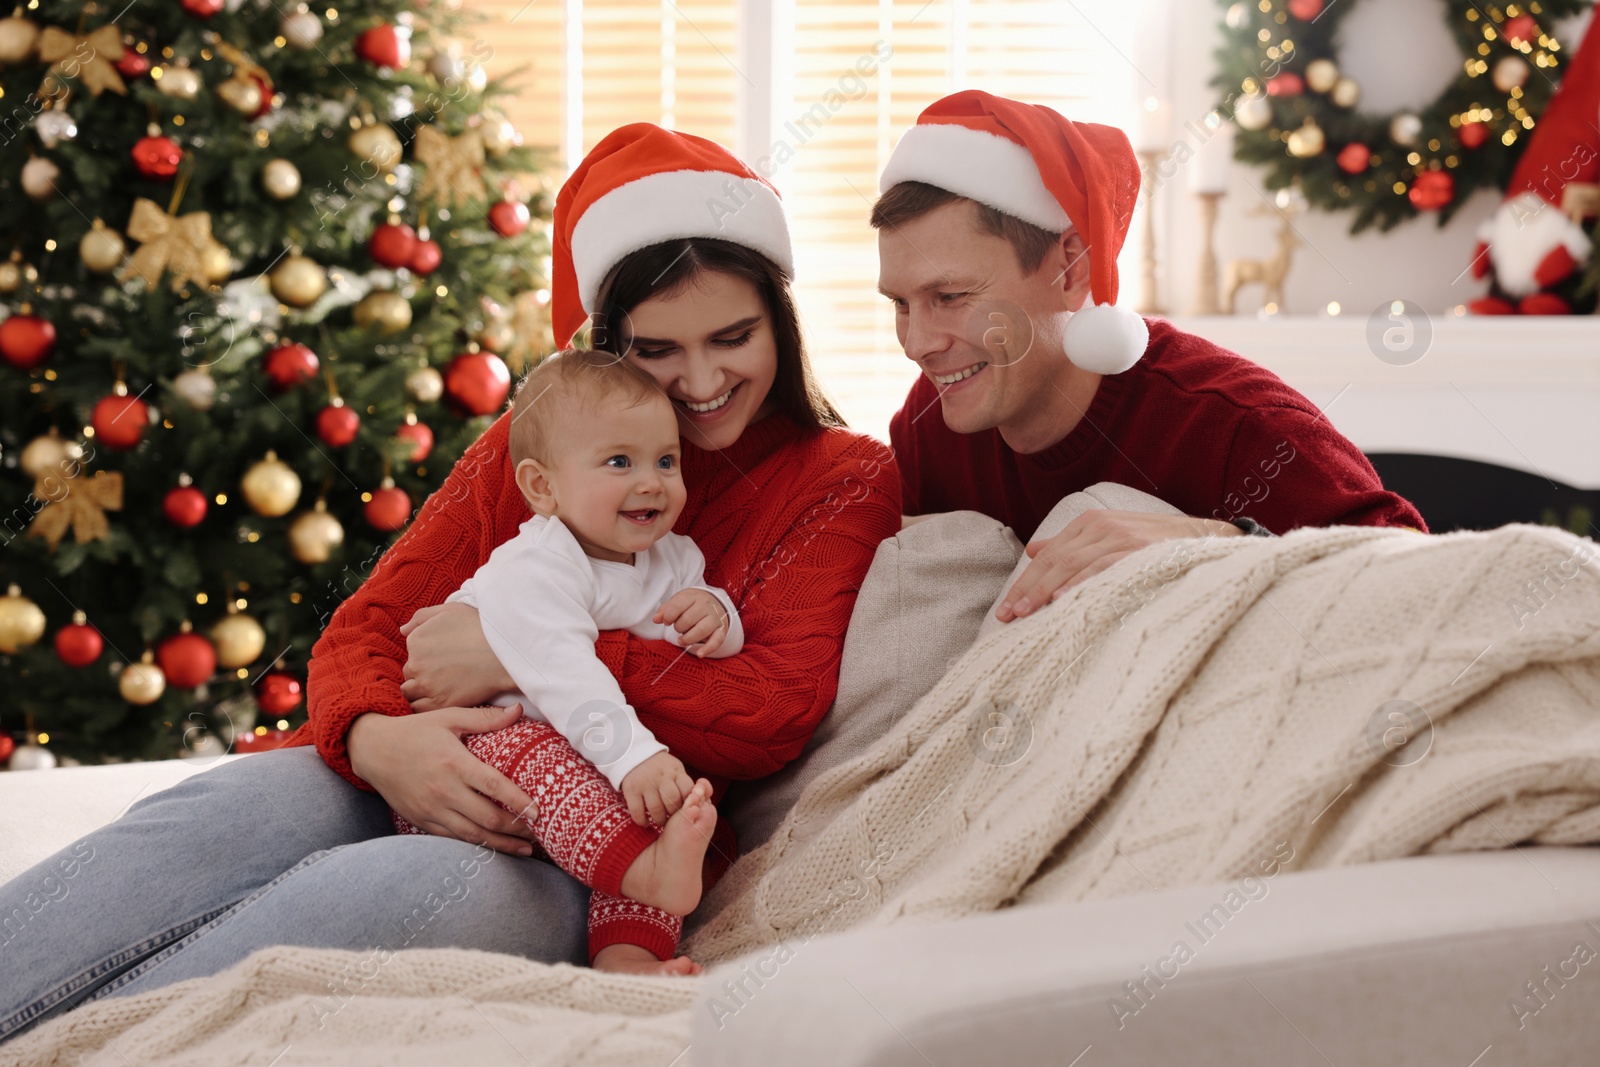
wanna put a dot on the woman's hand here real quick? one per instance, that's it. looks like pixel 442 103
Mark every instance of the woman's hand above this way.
pixel 419 765
pixel 449 663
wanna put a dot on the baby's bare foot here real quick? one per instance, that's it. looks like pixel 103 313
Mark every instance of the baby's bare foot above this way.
pixel 666 874
pixel 631 959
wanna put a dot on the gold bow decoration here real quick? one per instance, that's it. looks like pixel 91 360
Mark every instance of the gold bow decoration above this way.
pixel 172 243
pixel 455 165
pixel 530 321
pixel 90 58
pixel 80 503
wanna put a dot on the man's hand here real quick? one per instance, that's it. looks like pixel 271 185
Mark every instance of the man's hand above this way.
pixel 1091 543
pixel 419 765
pixel 699 618
pixel 449 663
pixel 656 787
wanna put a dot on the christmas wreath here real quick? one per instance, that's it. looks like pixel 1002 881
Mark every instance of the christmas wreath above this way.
pixel 1300 116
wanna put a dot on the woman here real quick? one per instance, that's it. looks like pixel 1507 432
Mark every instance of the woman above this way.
pixel 787 506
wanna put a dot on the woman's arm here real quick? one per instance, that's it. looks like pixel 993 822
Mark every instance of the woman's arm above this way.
pixel 747 716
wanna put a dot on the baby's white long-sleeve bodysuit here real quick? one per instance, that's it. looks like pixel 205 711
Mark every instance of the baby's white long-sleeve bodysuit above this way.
pixel 543 601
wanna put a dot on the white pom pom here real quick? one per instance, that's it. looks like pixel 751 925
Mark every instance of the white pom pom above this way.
pixel 1105 339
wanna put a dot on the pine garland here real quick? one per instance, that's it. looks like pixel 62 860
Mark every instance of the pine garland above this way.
pixel 1271 43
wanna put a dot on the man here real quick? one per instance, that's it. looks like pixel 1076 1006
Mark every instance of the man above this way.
pixel 997 220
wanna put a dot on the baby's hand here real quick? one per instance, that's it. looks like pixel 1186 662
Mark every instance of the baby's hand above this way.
pixel 656 787
pixel 699 618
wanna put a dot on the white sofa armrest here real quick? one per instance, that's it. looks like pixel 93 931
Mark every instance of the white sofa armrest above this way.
pixel 1474 960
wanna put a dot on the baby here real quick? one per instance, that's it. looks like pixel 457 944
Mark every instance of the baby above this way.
pixel 594 444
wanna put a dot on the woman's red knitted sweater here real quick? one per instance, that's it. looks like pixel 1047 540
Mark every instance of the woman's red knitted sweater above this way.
pixel 788 520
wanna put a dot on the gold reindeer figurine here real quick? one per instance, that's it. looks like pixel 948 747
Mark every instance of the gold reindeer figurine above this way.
pixel 1268 272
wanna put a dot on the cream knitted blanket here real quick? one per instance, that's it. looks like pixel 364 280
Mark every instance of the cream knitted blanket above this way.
pixel 1195 712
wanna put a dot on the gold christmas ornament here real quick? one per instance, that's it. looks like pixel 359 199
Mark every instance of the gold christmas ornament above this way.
pixel 39 178
pixel 1346 92
pixel 76 502
pixel 102 248
pixel 1253 113
pixel 143 682
pixel 14 274
pixel 241 93
pixel 197 389
pixel 271 487
pixel 90 58
pixel 499 136
pixel 425 384
pixel 314 535
pixel 21 621
pixel 298 281
pixel 32 757
pixel 18 39
pixel 301 29
pixel 385 311
pixel 55 126
pixel 1322 75
pixel 1405 128
pixel 454 165
pixel 239 640
pixel 281 179
pixel 1307 141
pixel 497 336
pixel 180 83
pixel 217 262
pixel 172 243
pixel 1510 72
pixel 377 145
pixel 47 454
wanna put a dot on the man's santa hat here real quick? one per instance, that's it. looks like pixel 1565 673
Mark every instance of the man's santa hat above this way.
pixel 1032 163
pixel 1531 241
pixel 643 185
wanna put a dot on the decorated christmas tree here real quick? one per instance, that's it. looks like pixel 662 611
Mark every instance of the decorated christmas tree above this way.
pixel 263 276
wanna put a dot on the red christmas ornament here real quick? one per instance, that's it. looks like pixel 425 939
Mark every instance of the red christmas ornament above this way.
pixel 133 64
pixel 7 746
pixel 157 157
pixel 289 365
pixel 385 46
pixel 202 9
pixel 26 340
pixel 1432 190
pixel 389 509
pixel 77 645
pixel 1473 134
pixel 427 257
pixel 278 694
pixel 184 506
pixel 1520 29
pixel 187 659
pixel 1305 10
pixel 392 245
pixel 510 217
pixel 119 421
pixel 477 382
pixel 1286 84
pixel 337 425
pixel 1354 157
pixel 421 438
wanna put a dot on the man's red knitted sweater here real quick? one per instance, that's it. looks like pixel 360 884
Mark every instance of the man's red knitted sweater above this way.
pixel 788 520
pixel 1208 431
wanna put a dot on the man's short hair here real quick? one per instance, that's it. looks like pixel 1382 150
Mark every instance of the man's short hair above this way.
pixel 568 385
pixel 907 201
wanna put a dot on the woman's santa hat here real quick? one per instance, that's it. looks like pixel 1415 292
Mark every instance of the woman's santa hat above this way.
pixel 1030 162
pixel 643 185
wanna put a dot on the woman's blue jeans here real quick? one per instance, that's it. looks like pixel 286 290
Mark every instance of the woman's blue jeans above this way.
pixel 271 849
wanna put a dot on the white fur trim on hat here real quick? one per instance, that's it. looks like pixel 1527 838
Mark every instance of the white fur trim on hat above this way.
pixel 1105 339
pixel 979 166
pixel 674 204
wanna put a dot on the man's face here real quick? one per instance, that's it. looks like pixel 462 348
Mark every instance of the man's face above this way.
pixel 986 334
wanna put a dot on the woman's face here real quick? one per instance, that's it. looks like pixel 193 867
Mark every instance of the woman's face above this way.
pixel 710 347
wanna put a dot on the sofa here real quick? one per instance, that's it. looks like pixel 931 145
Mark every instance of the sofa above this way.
pixel 1471 958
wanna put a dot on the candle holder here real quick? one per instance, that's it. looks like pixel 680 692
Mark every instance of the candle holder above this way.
pixel 1207 300
pixel 1149 296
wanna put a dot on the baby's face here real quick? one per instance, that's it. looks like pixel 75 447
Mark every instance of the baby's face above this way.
pixel 616 476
